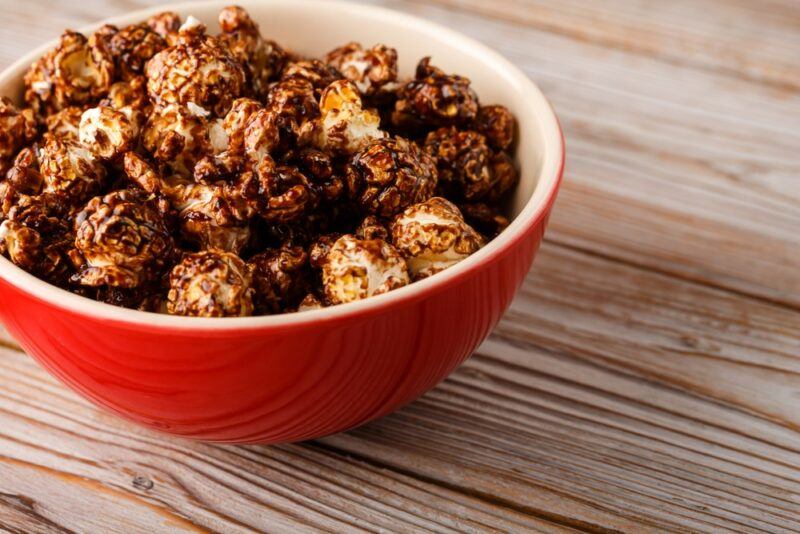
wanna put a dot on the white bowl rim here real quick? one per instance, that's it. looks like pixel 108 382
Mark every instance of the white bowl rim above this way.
pixel 553 155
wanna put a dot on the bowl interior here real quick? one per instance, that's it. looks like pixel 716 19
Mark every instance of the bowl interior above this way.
pixel 313 27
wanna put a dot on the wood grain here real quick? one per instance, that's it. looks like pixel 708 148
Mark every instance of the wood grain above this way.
pixel 646 377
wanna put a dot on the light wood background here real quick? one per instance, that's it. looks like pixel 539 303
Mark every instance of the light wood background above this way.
pixel 647 376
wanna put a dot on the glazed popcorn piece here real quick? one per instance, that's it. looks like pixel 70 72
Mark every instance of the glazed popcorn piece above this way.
pixel 65 124
pixel 166 24
pixel 497 124
pixel 389 175
pixel 484 218
pixel 345 126
pixel 291 109
pixel 313 71
pixel 71 168
pixel 433 236
pixel 132 47
pixel 468 168
pixel 108 132
pixel 76 72
pixel 121 240
pixel 355 269
pixel 23 178
pixel 434 98
pixel 210 283
pixel 319 167
pixel 199 70
pixel 262 60
pixel 369 69
pixel 280 279
pixel 278 193
pixel 372 228
pixel 207 213
pixel 177 137
pixel 17 128
pixel 36 236
pixel 131 94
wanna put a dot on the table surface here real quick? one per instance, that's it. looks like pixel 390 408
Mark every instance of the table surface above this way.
pixel 646 377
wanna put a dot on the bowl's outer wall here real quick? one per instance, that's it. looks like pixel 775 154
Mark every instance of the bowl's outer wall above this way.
pixel 271 385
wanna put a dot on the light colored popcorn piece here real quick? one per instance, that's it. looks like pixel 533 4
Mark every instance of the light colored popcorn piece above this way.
pixel 71 168
pixel 108 132
pixel 345 126
pixel 433 236
pixel 369 69
pixel 210 283
pixel 355 269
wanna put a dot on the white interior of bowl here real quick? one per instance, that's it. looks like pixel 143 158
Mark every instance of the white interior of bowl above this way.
pixel 313 27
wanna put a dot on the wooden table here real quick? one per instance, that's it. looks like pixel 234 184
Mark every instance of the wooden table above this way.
pixel 647 376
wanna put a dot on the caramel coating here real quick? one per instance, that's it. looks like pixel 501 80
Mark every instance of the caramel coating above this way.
pixel 345 126
pixel 17 128
pixel 132 47
pixel 497 124
pixel 77 71
pixel 71 168
pixel 468 168
pixel 177 137
pixel 108 132
pixel 262 60
pixel 278 193
pixel 389 175
pixel 369 69
pixel 484 218
pixel 280 279
pixel 325 176
pixel 210 283
pixel 166 24
pixel 292 107
pixel 198 69
pixel 433 236
pixel 122 240
pixel 64 124
pixel 23 178
pixel 372 228
pixel 355 269
pixel 131 94
pixel 313 71
pixel 208 214
pixel 36 236
pixel 434 98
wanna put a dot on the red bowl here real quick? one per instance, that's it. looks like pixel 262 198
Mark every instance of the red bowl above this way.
pixel 303 375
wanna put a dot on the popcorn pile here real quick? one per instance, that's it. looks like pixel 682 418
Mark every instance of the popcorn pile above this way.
pixel 161 168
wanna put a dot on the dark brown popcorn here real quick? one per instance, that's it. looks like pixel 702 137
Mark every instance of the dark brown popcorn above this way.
pixel 314 71
pixel 17 129
pixel 198 70
pixel 434 98
pixel 71 168
pixel 468 168
pixel 369 69
pixel 278 193
pixel 132 47
pixel 484 218
pixel 210 283
pixel 291 108
pixel 129 94
pixel 78 71
pixel 497 124
pixel 326 178
pixel 209 215
pixel 24 176
pixel 36 235
pixel 280 279
pixel 121 240
pixel 65 123
pixel 262 60
pixel 372 228
pixel 389 175
pixel 166 24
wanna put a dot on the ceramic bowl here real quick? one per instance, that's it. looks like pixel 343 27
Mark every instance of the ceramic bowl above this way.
pixel 303 375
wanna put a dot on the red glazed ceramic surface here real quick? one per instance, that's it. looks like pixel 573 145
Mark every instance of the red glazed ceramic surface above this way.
pixel 305 375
